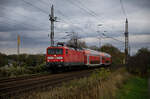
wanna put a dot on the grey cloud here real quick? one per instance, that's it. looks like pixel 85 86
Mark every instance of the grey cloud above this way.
pixel 30 18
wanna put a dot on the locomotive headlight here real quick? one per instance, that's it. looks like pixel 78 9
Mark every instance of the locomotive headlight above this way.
pixel 59 57
pixel 50 57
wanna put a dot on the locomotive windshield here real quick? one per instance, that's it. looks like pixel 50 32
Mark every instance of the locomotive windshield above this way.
pixel 56 51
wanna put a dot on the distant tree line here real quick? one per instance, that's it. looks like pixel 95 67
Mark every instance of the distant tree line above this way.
pixel 22 59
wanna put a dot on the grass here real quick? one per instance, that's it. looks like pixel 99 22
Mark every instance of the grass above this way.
pixel 135 88
pixel 102 84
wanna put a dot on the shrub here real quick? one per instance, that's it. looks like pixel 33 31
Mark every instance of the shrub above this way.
pixel 37 69
pixel 139 63
pixel 15 70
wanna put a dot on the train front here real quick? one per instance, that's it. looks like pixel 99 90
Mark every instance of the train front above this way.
pixel 55 57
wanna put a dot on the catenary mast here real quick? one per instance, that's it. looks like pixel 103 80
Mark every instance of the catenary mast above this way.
pixel 52 19
pixel 126 42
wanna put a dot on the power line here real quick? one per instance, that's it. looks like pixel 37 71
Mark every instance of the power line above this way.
pixel 91 11
pixel 17 21
pixel 113 38
pixel 82 8
pixel 122 7
pixel 35 6
pixel 27 17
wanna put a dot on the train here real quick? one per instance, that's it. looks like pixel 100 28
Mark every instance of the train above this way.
pixel 64 57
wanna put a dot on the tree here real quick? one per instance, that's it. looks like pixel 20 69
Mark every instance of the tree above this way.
pixel 76 42
pixel 94 47
pixel 140 62
pixel 3 60
pixel 28 60
pixel 34 60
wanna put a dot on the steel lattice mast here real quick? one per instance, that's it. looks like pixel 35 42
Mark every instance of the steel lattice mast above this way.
pixel 52 19
pixel 126 41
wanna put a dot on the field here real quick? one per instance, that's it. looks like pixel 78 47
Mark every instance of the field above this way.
pixel 102 84
pixel 135 88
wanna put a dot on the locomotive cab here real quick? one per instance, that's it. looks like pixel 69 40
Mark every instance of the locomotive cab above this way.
pixel 55 57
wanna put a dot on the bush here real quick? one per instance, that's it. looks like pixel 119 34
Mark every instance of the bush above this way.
pixel 139 63
pixel 14 71
pixel 37 69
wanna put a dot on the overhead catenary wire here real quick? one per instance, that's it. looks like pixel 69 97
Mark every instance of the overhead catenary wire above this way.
pixel 112 38
pixel 85 9
pixel 35 6
pixel 27 17
pixel 123 9
pixel 89 10
pixel 15 22
pixel 82 8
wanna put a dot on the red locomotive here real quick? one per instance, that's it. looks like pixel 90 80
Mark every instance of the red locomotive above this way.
pixel 67 57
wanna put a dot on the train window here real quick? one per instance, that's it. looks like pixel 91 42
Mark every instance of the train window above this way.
pixel 107 61
pixel 66 51
pixel 103 58
pixel 56 51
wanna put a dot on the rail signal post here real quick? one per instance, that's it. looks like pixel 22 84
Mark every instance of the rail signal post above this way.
pixel 126 42
pixel 52 19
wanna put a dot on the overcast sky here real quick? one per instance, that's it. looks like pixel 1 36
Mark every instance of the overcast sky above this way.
pixel 30 19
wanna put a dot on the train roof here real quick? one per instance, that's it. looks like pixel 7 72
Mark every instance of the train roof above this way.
pixel 96 52
pixel 105 54
pixel 66 47
pixel 87 51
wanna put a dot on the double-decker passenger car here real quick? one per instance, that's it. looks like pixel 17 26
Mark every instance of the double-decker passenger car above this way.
pixel 95 58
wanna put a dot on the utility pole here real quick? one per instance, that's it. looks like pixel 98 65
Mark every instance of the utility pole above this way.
pixel 126 42
pixel 52 19
pixel 18 48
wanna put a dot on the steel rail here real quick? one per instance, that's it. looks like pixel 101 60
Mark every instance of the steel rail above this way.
pixel 20 86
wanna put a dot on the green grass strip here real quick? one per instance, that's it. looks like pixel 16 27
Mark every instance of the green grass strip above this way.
pixel 135 88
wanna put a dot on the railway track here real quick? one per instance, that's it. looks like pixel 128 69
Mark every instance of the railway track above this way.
pixel 14 86
pixel 5 80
